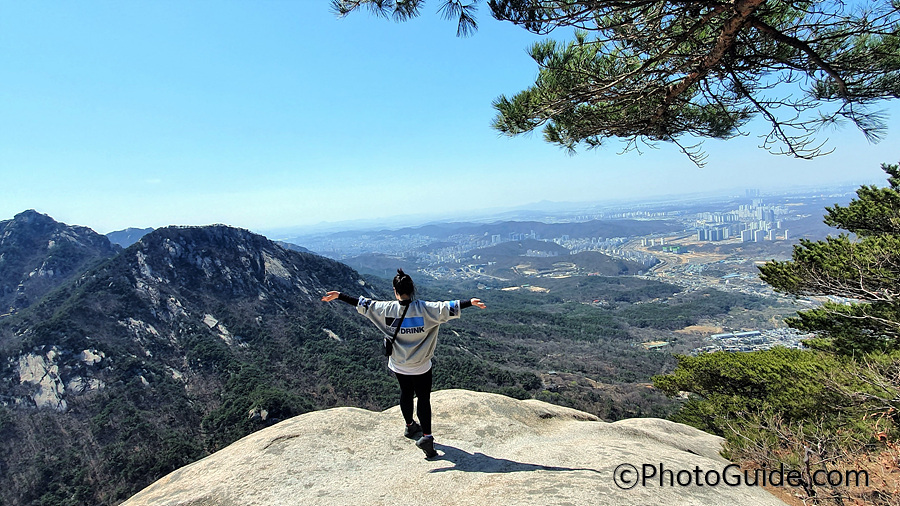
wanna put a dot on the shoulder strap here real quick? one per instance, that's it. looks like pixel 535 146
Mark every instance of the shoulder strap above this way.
pixel 397 330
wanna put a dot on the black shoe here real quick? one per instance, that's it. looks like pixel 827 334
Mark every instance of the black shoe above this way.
pixel 413 431
pixel 426 444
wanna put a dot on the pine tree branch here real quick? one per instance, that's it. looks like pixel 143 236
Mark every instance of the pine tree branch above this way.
pixel 802 46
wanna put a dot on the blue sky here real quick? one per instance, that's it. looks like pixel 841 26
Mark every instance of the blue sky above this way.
pixel 271 114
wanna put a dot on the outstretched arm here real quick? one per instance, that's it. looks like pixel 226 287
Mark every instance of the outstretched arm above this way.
pixel 471 302
pixel 330 296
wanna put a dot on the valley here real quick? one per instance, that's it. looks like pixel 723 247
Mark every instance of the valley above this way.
pixel 128 363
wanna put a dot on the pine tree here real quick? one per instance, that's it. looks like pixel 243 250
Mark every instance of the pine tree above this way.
pixel 644 71
pixel 861 270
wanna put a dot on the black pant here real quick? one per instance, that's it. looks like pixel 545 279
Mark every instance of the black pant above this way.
pixel 419 386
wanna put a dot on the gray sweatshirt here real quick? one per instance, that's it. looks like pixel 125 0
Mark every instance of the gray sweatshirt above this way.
pixel 417 338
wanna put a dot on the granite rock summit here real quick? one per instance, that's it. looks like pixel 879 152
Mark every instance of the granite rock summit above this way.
pixel 491 450
pixel 38 254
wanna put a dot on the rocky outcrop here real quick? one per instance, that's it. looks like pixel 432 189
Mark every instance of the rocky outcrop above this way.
pixel 37 254
pixel 173 284
pixel 491 450
pixel 46 384
pixel 184 342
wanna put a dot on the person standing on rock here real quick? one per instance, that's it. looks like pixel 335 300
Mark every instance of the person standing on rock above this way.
pixel 413 347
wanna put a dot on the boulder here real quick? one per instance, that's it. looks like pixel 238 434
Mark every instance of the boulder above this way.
pixel 491 450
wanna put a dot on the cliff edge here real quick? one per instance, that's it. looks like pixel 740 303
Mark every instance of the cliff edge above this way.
pixel 491 450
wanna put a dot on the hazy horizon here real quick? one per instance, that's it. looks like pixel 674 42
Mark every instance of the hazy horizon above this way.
pixel 511 213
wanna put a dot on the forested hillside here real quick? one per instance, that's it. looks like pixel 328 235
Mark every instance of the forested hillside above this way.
pixel 196 336
pixel 833 409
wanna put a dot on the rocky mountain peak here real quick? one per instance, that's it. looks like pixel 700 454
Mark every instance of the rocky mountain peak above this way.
pixel 229 262
pixel 176 288
pixel 31 216
pixel 37 254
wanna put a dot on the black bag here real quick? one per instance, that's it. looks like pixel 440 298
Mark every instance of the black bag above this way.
pixel 387 344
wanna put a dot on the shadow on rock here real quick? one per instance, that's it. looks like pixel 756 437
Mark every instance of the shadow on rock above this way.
pixel 481 463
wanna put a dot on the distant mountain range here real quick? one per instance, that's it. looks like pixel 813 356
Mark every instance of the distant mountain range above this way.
pixel 129 236
pixel 383 266
pixel 542 211
pixel 498 247
pixel 592 228
pixel 292 247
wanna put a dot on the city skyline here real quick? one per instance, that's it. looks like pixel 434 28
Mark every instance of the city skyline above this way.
pixel 277 115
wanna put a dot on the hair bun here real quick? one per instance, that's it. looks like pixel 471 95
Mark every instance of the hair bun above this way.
pixel 403 284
